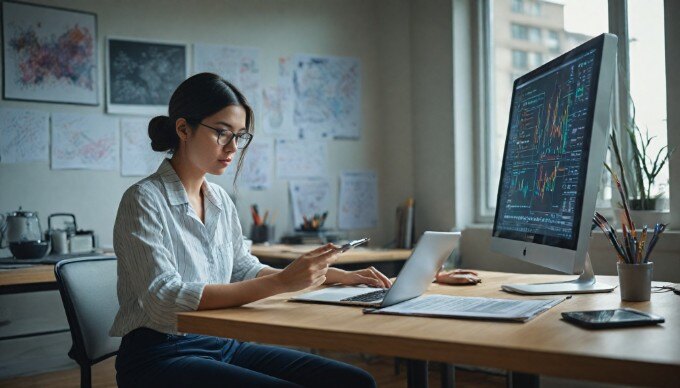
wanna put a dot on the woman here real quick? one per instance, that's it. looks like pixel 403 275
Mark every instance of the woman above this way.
pixel 180 248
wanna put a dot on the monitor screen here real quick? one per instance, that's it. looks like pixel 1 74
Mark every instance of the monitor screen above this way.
pixel 543 176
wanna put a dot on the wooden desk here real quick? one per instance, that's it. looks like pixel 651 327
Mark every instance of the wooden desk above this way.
pixel 545 345
pixel 31 278
pixel 389 261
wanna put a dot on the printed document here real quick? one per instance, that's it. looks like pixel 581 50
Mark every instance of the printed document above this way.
pixel 446 306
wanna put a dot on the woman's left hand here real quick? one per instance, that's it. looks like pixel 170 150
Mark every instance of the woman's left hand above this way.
pixel 368 276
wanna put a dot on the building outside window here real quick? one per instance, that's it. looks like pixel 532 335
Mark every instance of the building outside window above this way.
pixel 519 32
pixel 567 24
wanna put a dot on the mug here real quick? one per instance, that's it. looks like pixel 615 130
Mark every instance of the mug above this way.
pixel 59 241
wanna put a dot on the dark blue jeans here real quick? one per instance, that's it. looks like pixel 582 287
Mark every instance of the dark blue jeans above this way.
pixel 148 358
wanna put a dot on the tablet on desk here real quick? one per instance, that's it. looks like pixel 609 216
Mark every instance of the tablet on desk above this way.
pixel 602 319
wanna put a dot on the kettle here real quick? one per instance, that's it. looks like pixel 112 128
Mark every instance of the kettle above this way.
pixel 22 233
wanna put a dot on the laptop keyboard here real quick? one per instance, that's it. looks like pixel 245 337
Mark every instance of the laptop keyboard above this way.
pixel 367 297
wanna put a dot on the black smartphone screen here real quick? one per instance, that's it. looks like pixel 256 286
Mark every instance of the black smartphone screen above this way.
pixel 611 318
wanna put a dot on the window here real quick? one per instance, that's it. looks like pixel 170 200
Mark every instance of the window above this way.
pixel 553 41
pixel 566 24
pixel 519 32
pixel 534 34
pixel 520 59
pixel 648 79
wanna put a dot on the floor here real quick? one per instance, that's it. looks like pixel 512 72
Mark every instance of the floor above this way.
pixel 382 369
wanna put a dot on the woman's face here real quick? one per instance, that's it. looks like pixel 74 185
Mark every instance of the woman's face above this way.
pixel 201 146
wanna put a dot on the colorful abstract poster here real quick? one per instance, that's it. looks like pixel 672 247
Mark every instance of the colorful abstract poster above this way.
pixel 257 166
pixel 358 207
pixel 301 159
pixel 327 97
pixel 84 141
pixel 141 76
pixel 238 65
pixel 50 54
pixel 24 136
pixel 137 157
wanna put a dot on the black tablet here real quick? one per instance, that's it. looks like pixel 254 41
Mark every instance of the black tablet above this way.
pixel 601 319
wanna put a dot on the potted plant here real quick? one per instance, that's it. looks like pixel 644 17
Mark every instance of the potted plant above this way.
pixel 645 169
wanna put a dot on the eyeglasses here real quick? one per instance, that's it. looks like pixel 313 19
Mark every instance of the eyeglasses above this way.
pixel 225 137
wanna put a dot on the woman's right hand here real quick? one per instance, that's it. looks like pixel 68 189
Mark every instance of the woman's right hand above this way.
pixel 309 270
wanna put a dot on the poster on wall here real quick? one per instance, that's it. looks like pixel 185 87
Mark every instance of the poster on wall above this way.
pixel 84 141
pixel 327 96
pixel 238 65
pixel 24 136
pixel 49 54
pixel 358 207
pixel 137 157
pixel 141 76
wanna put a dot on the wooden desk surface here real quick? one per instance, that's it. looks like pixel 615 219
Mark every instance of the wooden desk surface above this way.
pixel 545 345
pixel 357 255
pixel 33 275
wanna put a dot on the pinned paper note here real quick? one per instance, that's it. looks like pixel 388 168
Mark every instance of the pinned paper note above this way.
pixel 309 198
pixel 358 200
pixel 84 141
pixel 137 157
pixel 301 159
pixel 257 166
pixel 24 136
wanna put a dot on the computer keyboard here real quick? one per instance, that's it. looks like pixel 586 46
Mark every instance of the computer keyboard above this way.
pixel 367 297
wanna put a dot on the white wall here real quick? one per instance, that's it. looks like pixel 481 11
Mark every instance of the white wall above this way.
pixel 377 32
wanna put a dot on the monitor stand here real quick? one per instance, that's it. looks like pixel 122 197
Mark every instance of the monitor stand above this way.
pixel 584 284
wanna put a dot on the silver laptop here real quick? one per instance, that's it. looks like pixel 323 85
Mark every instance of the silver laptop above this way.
pixel 414 278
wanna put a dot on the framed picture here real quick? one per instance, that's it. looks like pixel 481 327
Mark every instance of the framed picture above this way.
pixel 49 54
pixel 142 75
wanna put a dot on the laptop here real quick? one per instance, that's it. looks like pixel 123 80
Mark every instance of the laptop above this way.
pixel 413 280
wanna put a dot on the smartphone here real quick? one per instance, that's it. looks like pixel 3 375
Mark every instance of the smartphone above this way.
pixel 602 319
pixel 353 244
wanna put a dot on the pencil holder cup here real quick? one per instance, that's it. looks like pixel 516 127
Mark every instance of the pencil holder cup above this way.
pixel 262 233
pixel 635 281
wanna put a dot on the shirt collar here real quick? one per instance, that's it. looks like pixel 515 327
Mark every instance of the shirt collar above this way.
pixel 174 188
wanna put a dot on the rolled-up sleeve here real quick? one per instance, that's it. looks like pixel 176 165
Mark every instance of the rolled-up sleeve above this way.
pixel 149 266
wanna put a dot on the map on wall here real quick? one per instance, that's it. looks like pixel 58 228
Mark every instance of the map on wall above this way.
pixel 50 54
pixel 358 200
pixel 24 136
pixel 238 65
pixel 137 157
pixel 327 96
pixel 82 141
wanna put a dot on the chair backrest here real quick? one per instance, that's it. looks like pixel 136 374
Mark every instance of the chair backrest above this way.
pixel 88 290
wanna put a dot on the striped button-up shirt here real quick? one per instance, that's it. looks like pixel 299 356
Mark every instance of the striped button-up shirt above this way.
pixel 166 255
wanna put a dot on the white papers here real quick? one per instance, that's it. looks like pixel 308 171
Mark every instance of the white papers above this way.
pixel 471 307
pixel 277 110
pixel 84 141
pixel 138 159
pixel 309 198
pixel 301 159
pixel 327 96
pixel 358 200
pixel 257 166
pixel 24 136
pixel 238 65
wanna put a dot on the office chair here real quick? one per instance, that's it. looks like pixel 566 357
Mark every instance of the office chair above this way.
pixel 88 291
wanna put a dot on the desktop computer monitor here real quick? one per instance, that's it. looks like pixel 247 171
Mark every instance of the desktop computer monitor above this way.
pixel 552 164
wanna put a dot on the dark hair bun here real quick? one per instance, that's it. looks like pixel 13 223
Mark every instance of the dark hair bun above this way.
pixel 162 134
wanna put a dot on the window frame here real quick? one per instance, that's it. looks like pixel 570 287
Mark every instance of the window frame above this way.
pixel 485 115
